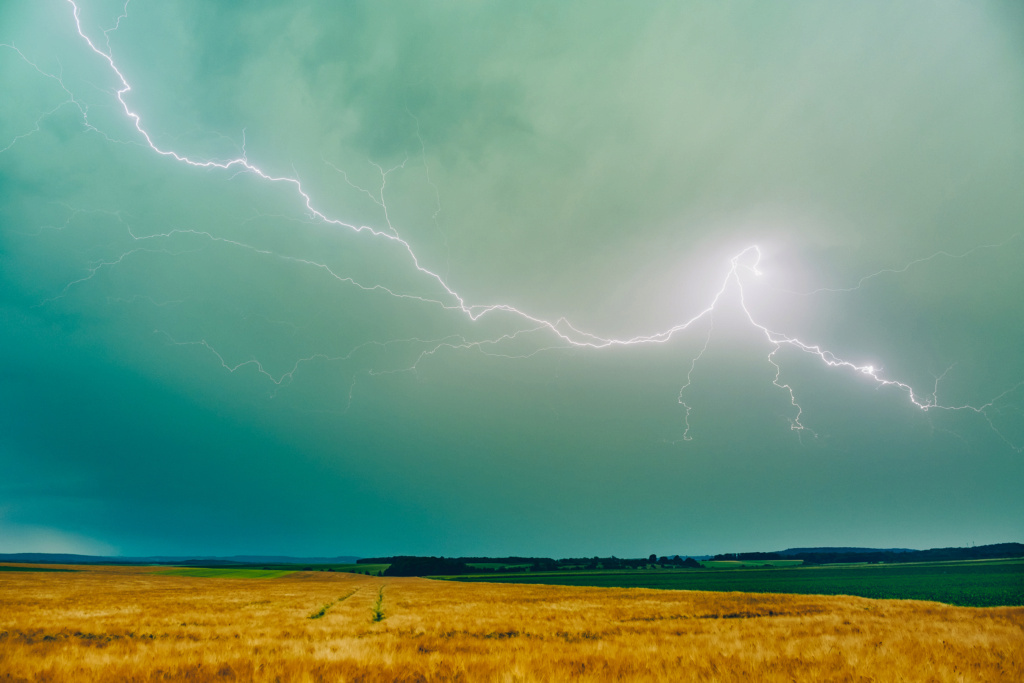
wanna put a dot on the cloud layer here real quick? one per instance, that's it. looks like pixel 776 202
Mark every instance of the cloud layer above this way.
pixel 194 363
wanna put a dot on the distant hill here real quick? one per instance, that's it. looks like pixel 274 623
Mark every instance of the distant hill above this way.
pixel 67 558
pixel 845 551
pixel 285 559
pixel 841 555
pixel 978 552
pixel 50 558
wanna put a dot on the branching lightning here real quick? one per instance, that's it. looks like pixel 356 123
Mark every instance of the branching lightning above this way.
pixel 70 101
pixel 547 334
pixel 897 271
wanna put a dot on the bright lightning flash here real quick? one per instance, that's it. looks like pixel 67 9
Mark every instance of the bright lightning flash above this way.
pixel 560 333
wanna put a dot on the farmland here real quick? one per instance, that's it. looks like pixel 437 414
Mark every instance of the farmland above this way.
pixel 227 573
pixel 983 583
pixel 726 564
pixel 16 568
pixel 145 623
pixel 368 569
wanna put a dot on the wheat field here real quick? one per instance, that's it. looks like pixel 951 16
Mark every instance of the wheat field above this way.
pixel 142 624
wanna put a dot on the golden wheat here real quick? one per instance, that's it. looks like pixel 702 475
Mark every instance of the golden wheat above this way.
pixel 138 624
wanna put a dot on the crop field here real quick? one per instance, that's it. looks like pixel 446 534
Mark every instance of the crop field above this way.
pixel 144 623
pixel 369 569
pixel 227 573
pixel 15 568
pixel 981 583
pixel 739 564
pixel 359 568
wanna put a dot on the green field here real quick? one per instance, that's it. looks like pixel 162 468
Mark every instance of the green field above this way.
pixel 354 568
pixel 231 573
pixel 978 583
pixel 495 565
pixel 273 570
pixel 742 564
pixel 9 568
pixel 351 568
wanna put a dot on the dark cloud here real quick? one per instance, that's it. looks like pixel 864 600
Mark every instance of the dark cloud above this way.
pixel 191 362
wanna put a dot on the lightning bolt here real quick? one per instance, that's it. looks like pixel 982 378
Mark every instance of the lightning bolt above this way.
pixel 560 333
pixel 70 101
pixel 437 194
pixel 897 271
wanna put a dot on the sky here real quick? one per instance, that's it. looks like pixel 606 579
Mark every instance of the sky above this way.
pixel 480 278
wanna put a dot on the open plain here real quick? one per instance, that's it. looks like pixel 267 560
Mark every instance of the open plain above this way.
pixel 149 624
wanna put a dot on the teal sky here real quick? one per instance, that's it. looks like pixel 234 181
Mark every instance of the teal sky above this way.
pixel 195 360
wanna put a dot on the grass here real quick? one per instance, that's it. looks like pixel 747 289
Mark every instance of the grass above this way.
pixel 323 610
pixel 12 568
pixel 232 573
pixel 360 568
pixel 370 569
pixel 378 606
pixel 495 565
pixel 141 624
pixel 740 564
pixel 979 583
